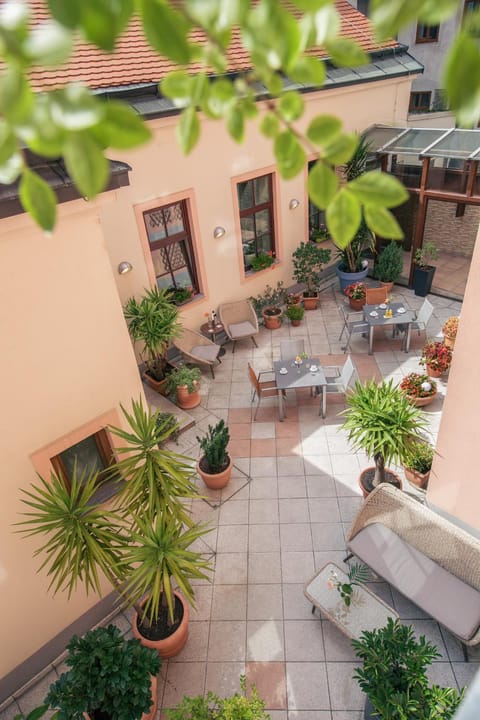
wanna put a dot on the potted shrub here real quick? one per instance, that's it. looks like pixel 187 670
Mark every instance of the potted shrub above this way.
pixel 153 321
pixel 419 389
pixel 320 234
pixel 389 264
pixel 394 679
pixel 239 706
pixel 262 261
pixel 140 542
pixel 418 463
pixel 383 423
pixel 308 260
pixel 295 314
pixel 424 271
pixel 436 357
pixel 109 678
pixel 293 298
pixel 184 381
pixel 271 297
pixel 449 331
pixel 272 317
pixel 181 294
pixel 356 293
pixel 215 464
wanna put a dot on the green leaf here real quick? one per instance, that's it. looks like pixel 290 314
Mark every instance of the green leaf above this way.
pixel 379 189
pixel 121 127
pixel 291 106
pixel 323 129
pixel 221 96
pixel 289 154
pixel 66 13
pixel 382 222
pixel 327 24
pixel 341 149
pixel 308 70
pixel 86 164
pixel 236 123
pixel 11 168
pixel 462 79
pixel 188 129
pixel 16 96
pixel 389 17
pixel 346 53
pixel 166 30
pixel 322 184
pixel 74 108
pixel 269 125
pixel 177 85
pixel 343 217
pixel 311 5
pixel 49 44
pixel 41 133
pixel 8 144
pixel 103 20
pixel 38 199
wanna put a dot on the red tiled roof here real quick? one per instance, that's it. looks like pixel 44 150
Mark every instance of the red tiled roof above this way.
pixel 135 62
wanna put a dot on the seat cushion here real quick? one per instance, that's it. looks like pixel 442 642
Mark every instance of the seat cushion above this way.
pixel 205 352
pixel 241 329
pixel 447 599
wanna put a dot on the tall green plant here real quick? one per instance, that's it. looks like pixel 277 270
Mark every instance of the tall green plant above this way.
pixel 308 260
pixel 381 421
pixel 389 264
pixel 214 447
pixel 153 321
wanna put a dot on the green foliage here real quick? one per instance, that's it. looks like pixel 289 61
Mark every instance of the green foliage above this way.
pixel 308 260
pixel 180 295
pixel 419 457
pixel 262 261
pixel 168 426
pixel 271 297
pixel 107 673
pixel 424 255
pixel 381 421
pixel 295 312
pixel 181 376
pixel 36 714
pixel 211 707
pixel 214 447
pixel 153 321
pixel 357 574
pixel 393 675
pixel 389 264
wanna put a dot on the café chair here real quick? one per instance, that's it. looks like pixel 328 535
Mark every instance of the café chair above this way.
pixel 197 349
pixel 261 388
pixel 339 378
pixel 374 296
pixel 353 323
pixel 289 349
pixel 239 320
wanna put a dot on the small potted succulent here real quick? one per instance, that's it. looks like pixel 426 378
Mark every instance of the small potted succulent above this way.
pixel 449 331
pixel 184 381
pixel 436 357
pixel 419 389
pixel 295 314
pixel 423 272
pixel 308 260
pixel 215 465
pixel 389 264
pixel 418 463
pixel 356 293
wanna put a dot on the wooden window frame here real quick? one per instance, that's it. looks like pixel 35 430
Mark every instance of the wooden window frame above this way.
pixel 423 33
pixel 254 209
pixel 414 109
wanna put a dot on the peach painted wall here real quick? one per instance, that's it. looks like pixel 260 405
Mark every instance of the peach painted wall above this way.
pixel 207 176
pixel 454 485
pixel 65 361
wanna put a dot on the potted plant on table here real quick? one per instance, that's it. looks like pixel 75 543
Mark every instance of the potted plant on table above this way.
pixel 436 357
pixel 185 381
pixel 109 678
pixel 424 271
pixel 356 293
pixel 153 321
pixel 389 264
pixel 295 314
pixel 308 260
pixel 449 331
pixel 383 423
pixel 215 465
pixel 418 463
pixel 393 676
pixel 419 389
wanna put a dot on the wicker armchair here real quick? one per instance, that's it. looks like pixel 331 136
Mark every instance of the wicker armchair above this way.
pixel 239 320
pixel 197 349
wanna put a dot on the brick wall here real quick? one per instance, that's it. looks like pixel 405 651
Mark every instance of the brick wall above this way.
pixel 454 234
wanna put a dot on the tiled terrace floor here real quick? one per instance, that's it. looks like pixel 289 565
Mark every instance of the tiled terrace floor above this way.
pixel 271 534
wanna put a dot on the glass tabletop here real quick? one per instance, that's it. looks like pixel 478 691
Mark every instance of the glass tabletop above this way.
pixel 307 373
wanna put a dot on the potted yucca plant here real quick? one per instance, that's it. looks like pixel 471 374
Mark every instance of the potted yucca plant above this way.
pixel 215 465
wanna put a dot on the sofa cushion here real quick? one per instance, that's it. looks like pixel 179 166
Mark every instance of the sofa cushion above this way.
pixel 447 599
pixel 206 352
pixel 241 329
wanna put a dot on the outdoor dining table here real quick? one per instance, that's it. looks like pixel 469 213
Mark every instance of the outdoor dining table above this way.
pixel 375 317
pixel 299 376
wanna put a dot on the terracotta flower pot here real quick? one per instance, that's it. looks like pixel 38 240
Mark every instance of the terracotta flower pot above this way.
pixel 416 478
pixel 296 323
pixel 421 401
pixel 387 285
pixel 432 372
pixel 310 303
pixel 356 304
pixel 187 400
pixel 272 317
pixel 366 477
pixel 159 386
pixel 169 646
pixel 448 341
pixel 215 481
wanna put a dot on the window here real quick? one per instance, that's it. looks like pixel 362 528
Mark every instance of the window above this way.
pixel 420 102
pixel 171 248
pixel 427 33
pixel 93 454
pixel 255 200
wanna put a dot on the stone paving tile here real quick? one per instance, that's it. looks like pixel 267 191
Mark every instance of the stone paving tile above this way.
pixel 269 679
pixel 307 687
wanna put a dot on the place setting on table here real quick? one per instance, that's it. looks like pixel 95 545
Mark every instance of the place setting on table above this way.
pixel 388 313
pixel 299 372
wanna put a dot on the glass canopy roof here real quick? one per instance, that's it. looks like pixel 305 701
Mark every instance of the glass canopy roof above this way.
pixel 425 142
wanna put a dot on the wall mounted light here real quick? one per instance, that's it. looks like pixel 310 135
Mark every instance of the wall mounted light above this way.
pixel 294 203
pixel 219 232
pixel 124 267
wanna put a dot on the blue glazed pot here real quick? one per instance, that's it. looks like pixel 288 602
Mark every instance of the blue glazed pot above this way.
pixel 347 277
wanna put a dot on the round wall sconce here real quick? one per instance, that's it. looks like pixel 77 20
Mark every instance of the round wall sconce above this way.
pixel 219 232
pixel 124 267
pixel 294 203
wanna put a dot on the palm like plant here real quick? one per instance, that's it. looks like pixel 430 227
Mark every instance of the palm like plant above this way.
pixel 381 421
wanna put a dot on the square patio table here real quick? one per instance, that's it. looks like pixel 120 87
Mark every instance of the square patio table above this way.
pixel 366 611
pixel 299 377
pixel 397 318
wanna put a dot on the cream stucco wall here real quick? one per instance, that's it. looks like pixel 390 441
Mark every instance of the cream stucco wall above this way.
pixel 66 359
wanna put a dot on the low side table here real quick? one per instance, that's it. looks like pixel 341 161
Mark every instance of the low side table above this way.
pixel 366 612
pixel 216 334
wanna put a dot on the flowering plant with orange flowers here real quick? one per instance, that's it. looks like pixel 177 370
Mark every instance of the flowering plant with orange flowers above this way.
pixel 355 291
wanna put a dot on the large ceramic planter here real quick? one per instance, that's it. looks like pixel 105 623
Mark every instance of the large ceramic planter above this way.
pixel 416 478
pixel 169 646
pixel 421 401
pixel 366 477
pixel 188 400
pixel 433 373
pixel 215 481
pixel 346 278
pixel 272 318
pixel 422 279
pixel 310 302
pixel 153 709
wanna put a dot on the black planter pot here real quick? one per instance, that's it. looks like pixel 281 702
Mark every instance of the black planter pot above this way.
pixel 368 712
pixel 422 280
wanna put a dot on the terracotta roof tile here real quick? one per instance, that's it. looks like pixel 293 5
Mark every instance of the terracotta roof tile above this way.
pixel 134 62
